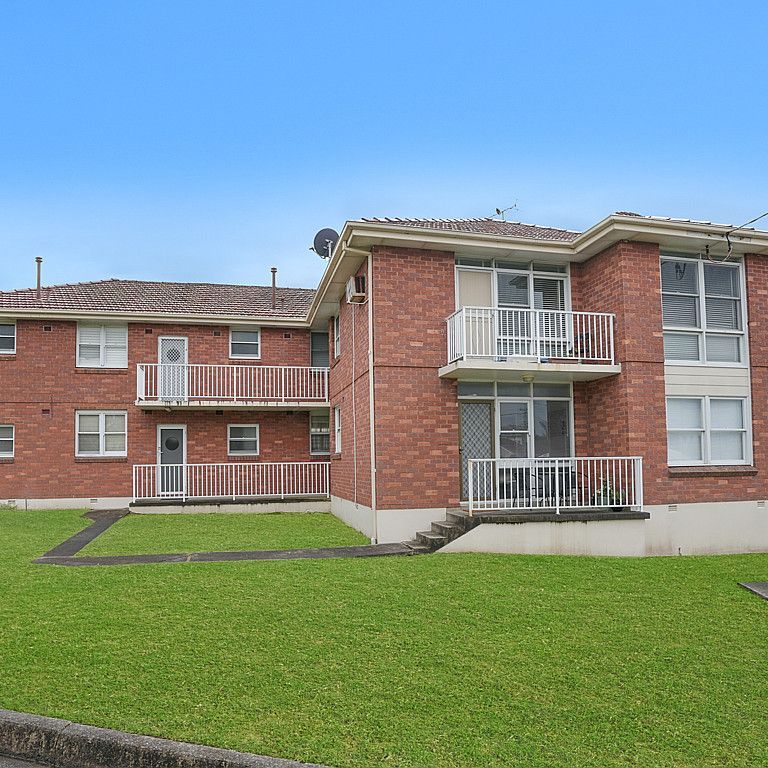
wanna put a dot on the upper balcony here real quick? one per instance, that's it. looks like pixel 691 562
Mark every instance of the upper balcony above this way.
pixel 505 344
pixel 231 386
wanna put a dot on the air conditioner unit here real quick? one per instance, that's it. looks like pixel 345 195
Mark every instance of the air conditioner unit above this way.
pixel 356 289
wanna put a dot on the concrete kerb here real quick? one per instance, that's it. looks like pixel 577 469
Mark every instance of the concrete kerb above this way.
pixel 63 744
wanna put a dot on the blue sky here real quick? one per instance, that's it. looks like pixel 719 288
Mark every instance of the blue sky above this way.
pixel 210 140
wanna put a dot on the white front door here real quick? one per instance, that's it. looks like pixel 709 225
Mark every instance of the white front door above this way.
pixel 172 372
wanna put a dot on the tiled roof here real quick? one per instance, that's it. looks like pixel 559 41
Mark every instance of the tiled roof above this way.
pixel 140 296
pixel 483 226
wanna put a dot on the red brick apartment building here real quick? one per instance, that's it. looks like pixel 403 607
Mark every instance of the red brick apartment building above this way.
pixel 601 392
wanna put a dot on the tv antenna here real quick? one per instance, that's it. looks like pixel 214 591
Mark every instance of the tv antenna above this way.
pixel 502 211
pixel 324 243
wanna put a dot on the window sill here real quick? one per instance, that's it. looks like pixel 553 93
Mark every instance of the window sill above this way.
pixel 728 470
pixel 7 355
pixel 101 459
pixel 6 459
pixel 334 457
pixel 244 457
pixel 102 371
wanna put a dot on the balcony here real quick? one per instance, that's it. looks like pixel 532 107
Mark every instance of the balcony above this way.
pixel 503 344
pixel 234 481
pixel 210 387
pixel 556 484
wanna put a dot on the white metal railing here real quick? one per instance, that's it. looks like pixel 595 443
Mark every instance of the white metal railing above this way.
pixel 544 334
pixel 269 480
pixel 561 483
pixel 161 382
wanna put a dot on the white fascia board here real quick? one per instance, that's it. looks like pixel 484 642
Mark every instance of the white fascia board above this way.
pixel 358 237
pixel 668 233
pixel 74 315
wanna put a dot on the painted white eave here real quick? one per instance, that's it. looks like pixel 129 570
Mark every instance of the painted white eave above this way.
pixel 73 315
pixel 668 234
pixel 358 237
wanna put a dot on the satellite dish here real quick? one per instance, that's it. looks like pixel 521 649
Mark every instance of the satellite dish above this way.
pixel 324 243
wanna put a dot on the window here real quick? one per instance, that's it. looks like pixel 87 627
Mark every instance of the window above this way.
pixel 245 343
pixel 336 336
pixel 707 430
pixel 102 346
pixel 702 311
pixel 7 338
pixel 319 433
pixel 319 350
pixel 101 433
pixel 243 439
pixel 337 429
pixel 6 441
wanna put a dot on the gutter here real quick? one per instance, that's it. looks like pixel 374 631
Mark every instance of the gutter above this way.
pixel 609 230
pixel 159 317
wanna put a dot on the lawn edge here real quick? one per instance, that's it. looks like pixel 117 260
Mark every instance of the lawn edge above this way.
pixel 64 744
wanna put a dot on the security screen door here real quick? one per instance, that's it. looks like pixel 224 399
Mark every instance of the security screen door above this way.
pixel 476 438
pixel 172 372
pixel 170 460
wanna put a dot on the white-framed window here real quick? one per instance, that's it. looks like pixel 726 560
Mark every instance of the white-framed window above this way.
pixel 337 429
pixel 243 439
pixel 703 311
pixel 319 433
pixel 7 338
pixel 245 343
pixel 336 336
pixel 102 346
pixel 101 433
pixel 708 430
pixel 7 441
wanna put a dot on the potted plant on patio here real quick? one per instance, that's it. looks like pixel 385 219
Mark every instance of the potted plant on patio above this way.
pixel 608 496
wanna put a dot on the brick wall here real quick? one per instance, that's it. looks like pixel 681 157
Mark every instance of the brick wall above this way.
pixel 417 430
pixel 626 414
pixel 41 389
pixel 348 385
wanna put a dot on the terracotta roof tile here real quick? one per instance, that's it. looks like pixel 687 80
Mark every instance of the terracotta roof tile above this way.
pixel 141 296
pixel 483 226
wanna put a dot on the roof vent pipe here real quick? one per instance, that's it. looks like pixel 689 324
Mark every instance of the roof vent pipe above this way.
pixel 39 262
pixel 274 287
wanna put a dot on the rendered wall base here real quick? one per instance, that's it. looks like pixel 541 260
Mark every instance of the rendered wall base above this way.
pixel 263 507
pixel 101 503
pixel 621 538
pixel 402 524
pixel 694 529
pixel 393 524
pixel 707 529
pixel 358 516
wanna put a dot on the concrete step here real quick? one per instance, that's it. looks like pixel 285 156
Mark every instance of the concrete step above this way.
pixel 457 516
pixel 447 528
pixel 431 539
pixel 417 547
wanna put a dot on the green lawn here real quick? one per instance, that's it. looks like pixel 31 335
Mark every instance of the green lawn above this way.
pixel 441 660
pixel 150 534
